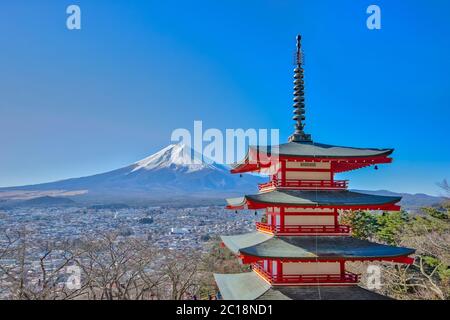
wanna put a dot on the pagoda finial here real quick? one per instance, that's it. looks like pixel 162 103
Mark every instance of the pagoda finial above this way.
pixel 299 98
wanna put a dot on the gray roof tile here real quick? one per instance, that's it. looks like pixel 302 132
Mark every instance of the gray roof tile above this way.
pixel 307 247
pixel 305 198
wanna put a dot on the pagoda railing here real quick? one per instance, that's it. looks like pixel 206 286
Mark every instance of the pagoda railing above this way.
pixel 303 184
pixel 303 229
pixel 347 277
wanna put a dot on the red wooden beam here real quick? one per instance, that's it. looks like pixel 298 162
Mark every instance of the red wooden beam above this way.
pixel 254 162
pixel 405 260
pixel 249 259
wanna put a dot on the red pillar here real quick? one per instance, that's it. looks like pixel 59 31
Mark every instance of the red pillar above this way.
pixel 336 217
pixel 280 270
pixel 283 172
pixel 342 263
pixel 332 171
pixel 269 267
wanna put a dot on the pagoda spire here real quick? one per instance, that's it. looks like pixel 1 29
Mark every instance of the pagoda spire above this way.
pixel 299 134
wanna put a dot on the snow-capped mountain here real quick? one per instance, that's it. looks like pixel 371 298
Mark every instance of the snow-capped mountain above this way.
pixel 178 157
pixel 175 172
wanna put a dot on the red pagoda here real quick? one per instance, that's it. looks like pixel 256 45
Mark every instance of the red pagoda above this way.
pixel 299 250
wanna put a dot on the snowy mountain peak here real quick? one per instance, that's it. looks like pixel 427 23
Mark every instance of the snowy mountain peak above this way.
pixel 175 156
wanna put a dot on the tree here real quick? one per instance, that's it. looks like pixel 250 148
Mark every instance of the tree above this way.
pixel 431 239
pixel 181 274
pixel 33 270
pixel 389 226
pixel 429 233
pixel 363 223
pixel 112 268
pixel 116 268
pixel 218 260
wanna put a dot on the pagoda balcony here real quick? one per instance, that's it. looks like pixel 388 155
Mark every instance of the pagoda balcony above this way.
pixel 303 185
pixel 306 279
pixel 303 229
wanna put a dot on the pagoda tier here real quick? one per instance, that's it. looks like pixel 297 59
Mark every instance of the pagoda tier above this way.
pixel 250 286
pixel 258 246
pixel 313 199
pixel 306 212
pixel 330 158
pixel 306 261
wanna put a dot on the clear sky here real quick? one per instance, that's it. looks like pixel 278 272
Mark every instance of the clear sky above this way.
pixel 75 103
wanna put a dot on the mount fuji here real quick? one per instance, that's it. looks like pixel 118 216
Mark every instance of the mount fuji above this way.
pixel 169 175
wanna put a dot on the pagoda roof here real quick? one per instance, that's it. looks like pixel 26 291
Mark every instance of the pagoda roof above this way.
pixel 321 293
pixel 259 157
pixel 241 286
pixel 312 149
pixel 308 198
pixel 237 242
pixel 311 247
pixel 250 286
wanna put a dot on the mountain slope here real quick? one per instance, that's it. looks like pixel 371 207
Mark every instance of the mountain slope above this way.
pixel 47 201
pixel 173 172
pixel 409 201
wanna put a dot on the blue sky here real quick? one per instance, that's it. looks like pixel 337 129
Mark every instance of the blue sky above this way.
pixel 74 103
